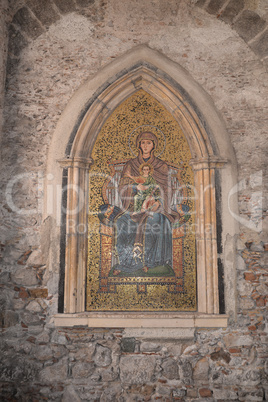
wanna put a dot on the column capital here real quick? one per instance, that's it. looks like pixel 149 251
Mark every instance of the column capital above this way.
pixel 76 162
pixel 212 162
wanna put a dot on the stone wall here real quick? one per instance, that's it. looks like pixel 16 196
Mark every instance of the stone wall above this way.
pixel 4 21
pixel 54 47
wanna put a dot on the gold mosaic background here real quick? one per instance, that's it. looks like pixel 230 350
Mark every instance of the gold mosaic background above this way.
pixel 114 143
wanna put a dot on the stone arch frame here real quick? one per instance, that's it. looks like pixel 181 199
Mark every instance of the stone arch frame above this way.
pixel 212 155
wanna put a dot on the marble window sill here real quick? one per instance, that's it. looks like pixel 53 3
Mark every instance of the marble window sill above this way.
pixel 141 320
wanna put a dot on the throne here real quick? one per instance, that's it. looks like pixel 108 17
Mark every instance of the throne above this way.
pixel 113 205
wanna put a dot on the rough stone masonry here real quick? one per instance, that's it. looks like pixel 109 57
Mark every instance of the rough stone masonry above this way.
pixel 47 50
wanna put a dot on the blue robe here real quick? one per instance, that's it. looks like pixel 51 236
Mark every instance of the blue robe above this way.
pixel 157 243
pixel 145 239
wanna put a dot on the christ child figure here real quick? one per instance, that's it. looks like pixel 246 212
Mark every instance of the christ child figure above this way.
pixel 147 197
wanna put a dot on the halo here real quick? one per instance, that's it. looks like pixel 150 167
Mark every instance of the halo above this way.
pixel 132 139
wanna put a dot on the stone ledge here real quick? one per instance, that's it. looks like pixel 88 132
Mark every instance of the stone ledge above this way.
pixel 165 334
pixel 142 320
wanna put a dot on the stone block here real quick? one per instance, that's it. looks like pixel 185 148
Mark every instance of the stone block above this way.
pixel 18 369
pixel 170 369
pixel 244 288
pixel 214 6
pixel 70 395
pixel 186 368
pixel 149 347
pixel 36 259
pixel 111 393
pixel 246 303
pixel 24 19
pixel 89 392
pixel 260 47
pixel 190 349
pixel 25 277
pixel 137 369
pixel 249 24
pixel 261 301
pixel 179 393
pixel 171 349
pixel 164 333
pixel 231 11
pixel 128 345
pixel 59 351
pixel 8 318
pixel 83 370
pixel 251 378
pixel 44 11
pixel 5 277
pixel 85 353
pixel 262 289
pixel 65 6
pixel 237 340
pixel 18 304
pixel 59 338
pixel 43 353
pixel 30 319
pixel 6 296
pixel 43 338
pixel 163 390
pixel 109 374
pixel 192 393
pixel 34 306
pixel 253 396
pixel 56 372
pixel 102 356
pixel 200 371
pixel 224 394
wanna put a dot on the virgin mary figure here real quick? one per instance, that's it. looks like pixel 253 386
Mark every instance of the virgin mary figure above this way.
pixel 143 235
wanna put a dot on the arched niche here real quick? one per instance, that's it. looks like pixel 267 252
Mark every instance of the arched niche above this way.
pixel 213 163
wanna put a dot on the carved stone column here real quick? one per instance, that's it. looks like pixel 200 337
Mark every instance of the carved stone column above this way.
pixel 76 233
pixel 206 234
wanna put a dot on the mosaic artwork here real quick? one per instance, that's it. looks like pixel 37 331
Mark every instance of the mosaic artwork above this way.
pixel 141 250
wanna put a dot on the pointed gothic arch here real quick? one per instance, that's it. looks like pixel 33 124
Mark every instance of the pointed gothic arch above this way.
pixel 211 151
